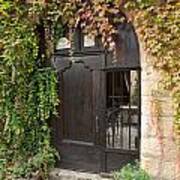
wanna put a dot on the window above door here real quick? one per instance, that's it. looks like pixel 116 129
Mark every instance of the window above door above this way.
pixel 80 43
pixel 63 43
pixel 88 41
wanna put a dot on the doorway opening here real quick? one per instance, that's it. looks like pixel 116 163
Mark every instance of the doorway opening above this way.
pixel 98 128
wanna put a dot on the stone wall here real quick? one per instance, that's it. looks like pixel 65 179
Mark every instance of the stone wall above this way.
pixel 159 155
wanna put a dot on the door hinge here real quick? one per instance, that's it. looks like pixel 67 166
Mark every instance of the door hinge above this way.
pixel 97 124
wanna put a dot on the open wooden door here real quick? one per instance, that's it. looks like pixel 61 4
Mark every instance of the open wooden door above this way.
pixel 81 94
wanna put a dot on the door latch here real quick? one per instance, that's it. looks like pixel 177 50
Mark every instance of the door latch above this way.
pixel 97 124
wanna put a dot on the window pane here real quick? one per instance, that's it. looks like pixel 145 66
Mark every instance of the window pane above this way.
pixel 118 88
pixel 89 41
pixel 63 43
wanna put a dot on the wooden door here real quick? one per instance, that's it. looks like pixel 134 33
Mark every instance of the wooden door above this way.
pixel 78 104
pixel 80 85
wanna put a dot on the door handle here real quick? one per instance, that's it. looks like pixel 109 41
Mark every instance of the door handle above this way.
pixel 97 124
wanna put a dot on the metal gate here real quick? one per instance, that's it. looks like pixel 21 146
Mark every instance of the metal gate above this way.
pixel 122 117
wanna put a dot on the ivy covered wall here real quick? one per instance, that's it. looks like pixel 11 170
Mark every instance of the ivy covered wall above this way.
pixel 28 94
pixel 28 84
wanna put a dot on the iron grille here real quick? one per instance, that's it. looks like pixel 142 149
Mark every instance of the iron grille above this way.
pixel 123 109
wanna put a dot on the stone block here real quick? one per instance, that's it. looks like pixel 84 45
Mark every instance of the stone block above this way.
pixel 150 105
pixel 151 147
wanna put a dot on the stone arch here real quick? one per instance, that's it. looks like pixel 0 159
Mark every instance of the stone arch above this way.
pixel 158 150
pixel 159 154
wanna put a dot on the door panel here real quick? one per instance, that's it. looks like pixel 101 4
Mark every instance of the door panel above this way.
pixel 80 157
pixel 80 96
pixel 78 104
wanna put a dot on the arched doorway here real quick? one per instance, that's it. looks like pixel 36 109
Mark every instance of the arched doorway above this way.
pixel 98 128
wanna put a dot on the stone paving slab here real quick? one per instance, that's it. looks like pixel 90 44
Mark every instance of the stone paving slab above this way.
pixel 63 174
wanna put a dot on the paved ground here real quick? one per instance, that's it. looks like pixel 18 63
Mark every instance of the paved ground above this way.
pixel 62 174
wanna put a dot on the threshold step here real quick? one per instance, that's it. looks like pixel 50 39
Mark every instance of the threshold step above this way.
pixel 65 174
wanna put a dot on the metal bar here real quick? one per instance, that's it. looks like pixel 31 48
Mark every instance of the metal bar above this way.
pixel 113 133
pixel 129 113
pixel 113 85
pixel 68 141
pixel 117 96
pixel 110 88
pixel 108 136
pixel 118 69
pixel 122 115
pixel 121 137
pixel 139 113
pixel 114 104
pixel 117 125
pixel 121 151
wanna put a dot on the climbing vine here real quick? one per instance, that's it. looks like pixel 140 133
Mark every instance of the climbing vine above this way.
pixel 158 25
pixel 28 93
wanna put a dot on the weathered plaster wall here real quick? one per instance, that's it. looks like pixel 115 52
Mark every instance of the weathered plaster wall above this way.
pixel 159 155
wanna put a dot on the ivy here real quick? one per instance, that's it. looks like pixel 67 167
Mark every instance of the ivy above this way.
pixel 159 29
pixel 158 24
pixel 28 96
pixel 28 92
